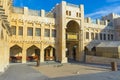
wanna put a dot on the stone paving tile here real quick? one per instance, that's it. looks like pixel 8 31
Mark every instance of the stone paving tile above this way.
pixel 25 72
pixel 99 76
pixel 22 72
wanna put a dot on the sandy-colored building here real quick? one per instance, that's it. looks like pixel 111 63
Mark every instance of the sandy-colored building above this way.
pixel 4 33
pixel 58 35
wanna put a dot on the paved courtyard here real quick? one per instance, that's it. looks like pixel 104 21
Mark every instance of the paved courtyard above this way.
pixel 59 72
pixel 62 70
pixel 22 72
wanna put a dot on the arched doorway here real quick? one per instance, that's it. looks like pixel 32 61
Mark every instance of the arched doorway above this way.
pixel 72 39
pixel 93 50
pixel 33 54
pixel 49 54
pixel 15 54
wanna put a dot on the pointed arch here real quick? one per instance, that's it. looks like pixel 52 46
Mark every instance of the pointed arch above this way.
pixel 49 53
pixel 33 53
pixel 16 54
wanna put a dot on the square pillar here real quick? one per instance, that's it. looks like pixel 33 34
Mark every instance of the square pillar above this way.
pixel 2 57
pixel 51 54
pixel 42 55
pixel 24 57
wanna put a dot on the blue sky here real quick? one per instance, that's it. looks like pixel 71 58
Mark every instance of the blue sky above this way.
pixel 93 8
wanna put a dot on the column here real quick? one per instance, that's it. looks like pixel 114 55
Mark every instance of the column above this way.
pixel 26 11
pixel 61 51
pixel 80 47
pixel 1 62
pixel 2 57
pixel 42 54
pixel 106 36
pixel 42 31
pixel 51 54
pixel 24 55
pixel 17 31
pixel 50 31
pixel 98 36
pixel 42 13
pixel 33 31
pixel 90 36
pixel 25 30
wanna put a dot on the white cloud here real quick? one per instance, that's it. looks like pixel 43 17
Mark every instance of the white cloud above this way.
pixel 104 11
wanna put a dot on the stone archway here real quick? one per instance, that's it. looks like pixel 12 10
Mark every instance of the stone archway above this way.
pixel 15 54
pixel 33 54
pixel 49 54
pixel 72 39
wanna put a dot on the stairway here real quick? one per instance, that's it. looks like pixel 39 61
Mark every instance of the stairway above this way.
pixel 4 17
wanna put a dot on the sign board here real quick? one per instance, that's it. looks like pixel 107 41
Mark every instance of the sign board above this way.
pixel 72 36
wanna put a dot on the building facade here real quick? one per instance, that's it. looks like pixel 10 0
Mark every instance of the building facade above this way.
pixel 61 34
pixel 5 33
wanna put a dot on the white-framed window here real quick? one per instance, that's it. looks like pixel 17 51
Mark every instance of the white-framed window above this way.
pixel 29 31
pixel 47 33
pixel 13 30
pixel 92 36
pixel 87 35
pixel 53 33
pixel 20 32
pixel 37 32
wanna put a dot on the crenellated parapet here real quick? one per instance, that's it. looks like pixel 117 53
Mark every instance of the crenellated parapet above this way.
pixel 95 21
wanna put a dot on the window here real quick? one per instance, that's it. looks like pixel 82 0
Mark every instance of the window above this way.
pixel 108 36
pixel 87 35
pixel 13 30
pixel 104 36
pixel 100 36
pixel 53 33
pixel 54 15
pixel 77 14
pixel 111 36
pixel 96 36
pixel 37 32
pixel 30 31
pixel 21 31
pixel 108 20
pixel 92 36
pixel 67 12
pixel 47 33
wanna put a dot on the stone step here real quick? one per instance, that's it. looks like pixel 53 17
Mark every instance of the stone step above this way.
pixel 1 9
pixel 2 12
pixel 4 15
